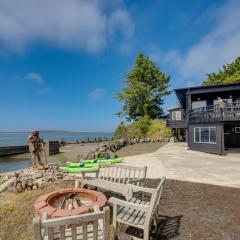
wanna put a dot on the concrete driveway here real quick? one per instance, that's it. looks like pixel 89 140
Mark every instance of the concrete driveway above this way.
pixel 175 161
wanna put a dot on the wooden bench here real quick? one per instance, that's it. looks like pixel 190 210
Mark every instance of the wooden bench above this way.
pixel 115 178
pixel 89 226
pixel 138 211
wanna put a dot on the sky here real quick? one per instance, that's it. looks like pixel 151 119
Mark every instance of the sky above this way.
pixel 62 62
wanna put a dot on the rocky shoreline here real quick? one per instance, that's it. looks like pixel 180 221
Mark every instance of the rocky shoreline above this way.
pixel 29 179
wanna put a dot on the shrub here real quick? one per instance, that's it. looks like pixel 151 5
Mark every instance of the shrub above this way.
pixel 143 127
pixel 121 131
pixel 158 129
pixel 142 124
pixel 133 132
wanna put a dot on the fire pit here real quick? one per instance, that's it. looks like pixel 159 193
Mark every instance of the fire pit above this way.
pixel 70 201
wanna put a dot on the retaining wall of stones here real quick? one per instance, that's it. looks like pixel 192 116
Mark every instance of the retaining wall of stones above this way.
pixel 27 179
pixel 109 149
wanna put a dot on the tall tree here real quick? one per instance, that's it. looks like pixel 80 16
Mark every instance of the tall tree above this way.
pixel 229 74
pixel 145 88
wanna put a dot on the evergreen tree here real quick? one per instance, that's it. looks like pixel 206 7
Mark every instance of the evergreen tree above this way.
pixel 145 88
pixel 229 74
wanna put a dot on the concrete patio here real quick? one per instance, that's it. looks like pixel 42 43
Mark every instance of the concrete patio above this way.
pixel 175 161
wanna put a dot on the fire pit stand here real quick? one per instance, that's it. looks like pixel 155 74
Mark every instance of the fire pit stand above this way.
pixel 68 202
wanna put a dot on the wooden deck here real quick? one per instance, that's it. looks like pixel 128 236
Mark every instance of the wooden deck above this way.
pixel 214 113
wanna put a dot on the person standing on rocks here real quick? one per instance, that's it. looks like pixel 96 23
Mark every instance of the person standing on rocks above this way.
pixel 35 148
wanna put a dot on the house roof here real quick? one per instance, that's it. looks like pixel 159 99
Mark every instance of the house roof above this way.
pixel 174 108
pixel 182 92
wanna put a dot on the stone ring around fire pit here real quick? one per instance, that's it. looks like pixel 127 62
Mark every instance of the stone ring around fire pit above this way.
pixel 68 202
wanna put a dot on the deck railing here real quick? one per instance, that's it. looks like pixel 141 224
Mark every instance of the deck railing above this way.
pixel 213 113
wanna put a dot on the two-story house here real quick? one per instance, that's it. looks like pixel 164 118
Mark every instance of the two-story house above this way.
pixel 208 117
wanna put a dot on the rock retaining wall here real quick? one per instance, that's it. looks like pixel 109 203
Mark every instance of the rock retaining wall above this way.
pixel 27 180
pixel 109 149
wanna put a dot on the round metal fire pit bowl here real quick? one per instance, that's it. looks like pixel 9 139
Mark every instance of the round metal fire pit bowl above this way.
pixel 49 203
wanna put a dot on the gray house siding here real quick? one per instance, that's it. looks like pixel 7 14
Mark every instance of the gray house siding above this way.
pixel 176 124
pixel 171 123
pixel 217 148
pixel 224 119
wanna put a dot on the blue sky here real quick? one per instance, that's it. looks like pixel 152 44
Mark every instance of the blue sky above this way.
pixel 62 62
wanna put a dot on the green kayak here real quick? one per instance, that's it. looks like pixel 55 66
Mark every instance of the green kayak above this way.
pixel 79 169
pixel 96 161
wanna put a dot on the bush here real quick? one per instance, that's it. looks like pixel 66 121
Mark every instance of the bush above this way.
pixel 121 131
pixel 144 127
pixel 133 132
pixel 158 129
pixel 142 124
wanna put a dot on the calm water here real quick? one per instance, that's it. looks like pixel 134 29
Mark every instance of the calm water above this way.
pixel 16 139
pixel 8 164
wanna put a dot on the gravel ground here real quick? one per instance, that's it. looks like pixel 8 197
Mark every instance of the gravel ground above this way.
pixel 189 211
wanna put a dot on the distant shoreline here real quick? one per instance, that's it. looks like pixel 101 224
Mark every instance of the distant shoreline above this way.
pixel 20 138
pixel 57 131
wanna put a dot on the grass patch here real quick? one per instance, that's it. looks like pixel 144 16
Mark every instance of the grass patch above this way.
pixel 17 212
pixel 8 209
pixel 62 158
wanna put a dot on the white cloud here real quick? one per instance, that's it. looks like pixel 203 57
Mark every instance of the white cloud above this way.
pixel 172 57
pixel 120 22
pixel 97 94
pixel 45 90
pixel 219 46
pixel 35 77
pixel 42 88
pixel 69 24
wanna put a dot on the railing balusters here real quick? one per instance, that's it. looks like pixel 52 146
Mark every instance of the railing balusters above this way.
pixel 214 113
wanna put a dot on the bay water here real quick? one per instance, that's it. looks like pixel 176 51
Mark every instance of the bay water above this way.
pixel 13 163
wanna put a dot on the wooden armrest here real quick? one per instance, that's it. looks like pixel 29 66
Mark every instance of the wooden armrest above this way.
pixel 122 203
pixel 137 180
pixel 135 188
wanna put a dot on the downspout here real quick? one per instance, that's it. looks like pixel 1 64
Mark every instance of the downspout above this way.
pixel 188 99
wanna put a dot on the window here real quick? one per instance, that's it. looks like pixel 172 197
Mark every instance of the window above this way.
pixel 198 104
pixel 176 115
pixel 237 129
pixel 205 135
pixel 213 135
pixel 196 134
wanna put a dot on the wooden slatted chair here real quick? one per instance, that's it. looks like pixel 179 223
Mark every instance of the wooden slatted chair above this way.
pixel 89 226
pixel 115 178
pixel 137 211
